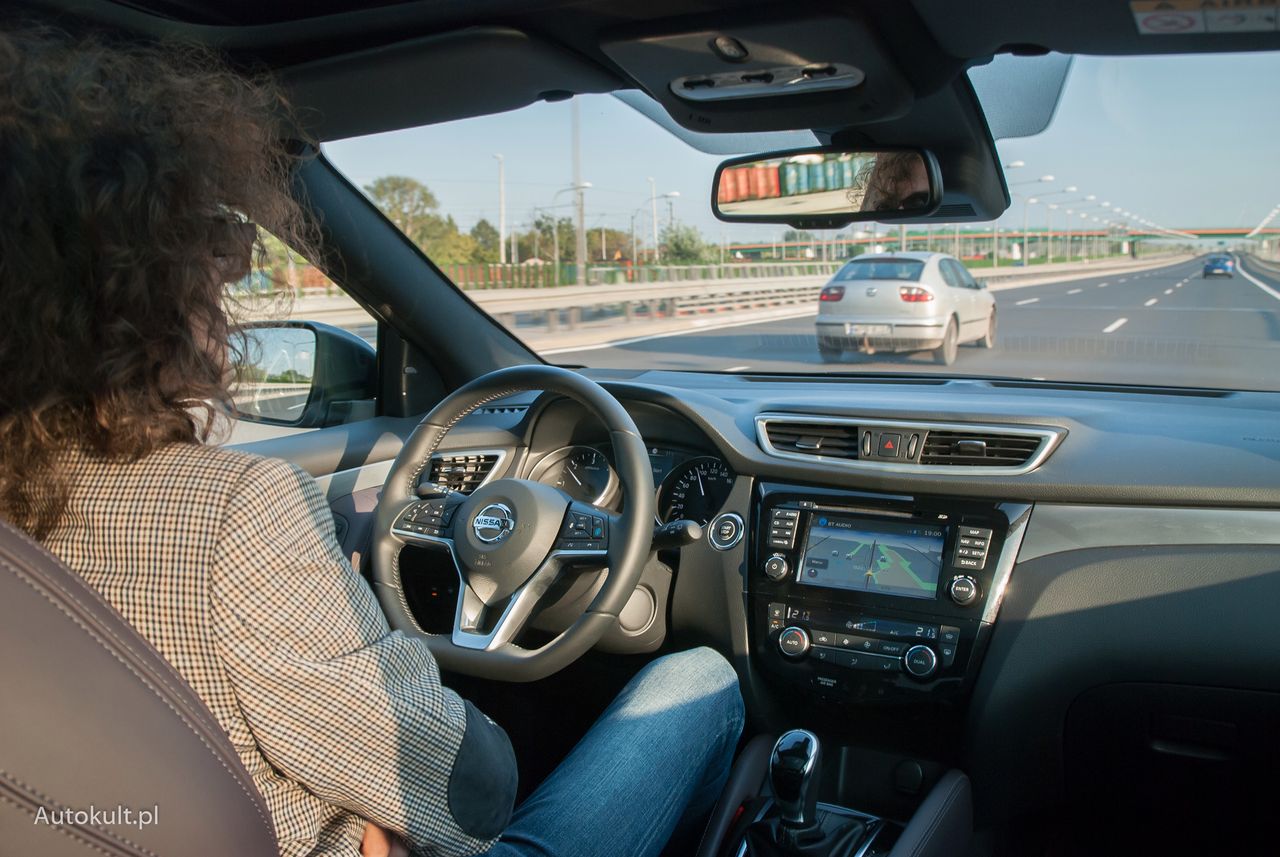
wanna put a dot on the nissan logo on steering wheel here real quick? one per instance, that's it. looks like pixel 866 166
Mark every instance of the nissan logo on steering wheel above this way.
pixel 494 523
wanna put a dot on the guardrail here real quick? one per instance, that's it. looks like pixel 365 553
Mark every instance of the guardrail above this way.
pixel 567 307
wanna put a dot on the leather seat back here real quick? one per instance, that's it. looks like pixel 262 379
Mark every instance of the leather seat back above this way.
pixel 104 749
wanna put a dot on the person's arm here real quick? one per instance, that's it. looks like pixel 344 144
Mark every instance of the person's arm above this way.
pixel 349 709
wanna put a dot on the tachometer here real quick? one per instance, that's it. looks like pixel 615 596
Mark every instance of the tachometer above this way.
pixel 695 490
pixel 582 472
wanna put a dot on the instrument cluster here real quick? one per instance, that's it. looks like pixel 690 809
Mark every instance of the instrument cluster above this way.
pixel 691 485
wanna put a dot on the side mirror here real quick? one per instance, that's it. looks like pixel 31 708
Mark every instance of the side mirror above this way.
pixel 982 284
pixel 305 374
pixel 827 187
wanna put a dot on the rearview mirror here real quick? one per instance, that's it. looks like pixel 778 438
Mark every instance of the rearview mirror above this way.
pixel 827 187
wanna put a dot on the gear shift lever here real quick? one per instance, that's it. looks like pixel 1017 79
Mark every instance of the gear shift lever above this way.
pixel 795 767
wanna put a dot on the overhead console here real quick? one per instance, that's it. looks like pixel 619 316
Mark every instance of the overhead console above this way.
pixel 868 598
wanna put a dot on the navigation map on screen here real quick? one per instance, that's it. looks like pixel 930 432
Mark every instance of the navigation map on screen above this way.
pixel 881 557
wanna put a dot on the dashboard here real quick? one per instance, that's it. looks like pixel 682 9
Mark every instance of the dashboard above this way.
pixel 1030 617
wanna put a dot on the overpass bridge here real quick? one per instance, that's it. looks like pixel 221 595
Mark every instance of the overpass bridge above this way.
pixel 968 242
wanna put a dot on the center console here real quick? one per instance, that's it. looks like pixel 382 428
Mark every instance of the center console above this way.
pixel 873 598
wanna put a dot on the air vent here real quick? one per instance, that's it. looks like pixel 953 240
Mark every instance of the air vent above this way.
pixel 831 440
pixel 858 443
pixel 978 449
pixel 503 409
pixel 463 472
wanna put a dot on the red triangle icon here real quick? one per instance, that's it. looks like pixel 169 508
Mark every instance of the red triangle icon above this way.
pixel 888 444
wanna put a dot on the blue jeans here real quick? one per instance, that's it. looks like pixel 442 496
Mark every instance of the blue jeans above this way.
pixel 656 759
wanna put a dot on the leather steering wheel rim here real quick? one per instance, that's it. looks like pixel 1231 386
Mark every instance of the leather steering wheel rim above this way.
pixel 629 533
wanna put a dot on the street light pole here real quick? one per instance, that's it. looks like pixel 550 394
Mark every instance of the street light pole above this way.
pixel 502 210
pixel 580 251
pixel 1026 209
pixel 653 210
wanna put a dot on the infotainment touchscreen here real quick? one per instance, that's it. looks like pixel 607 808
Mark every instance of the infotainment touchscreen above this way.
pixel 880 557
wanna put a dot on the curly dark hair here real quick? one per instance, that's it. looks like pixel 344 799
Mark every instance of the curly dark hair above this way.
pixel 128 175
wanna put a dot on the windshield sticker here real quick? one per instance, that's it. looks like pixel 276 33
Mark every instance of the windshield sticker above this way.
pixel 1182 17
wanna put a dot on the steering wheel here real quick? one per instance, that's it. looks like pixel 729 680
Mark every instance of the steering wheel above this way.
pixel 512 540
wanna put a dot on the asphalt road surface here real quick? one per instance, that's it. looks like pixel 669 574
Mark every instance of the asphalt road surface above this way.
pixel 1165 326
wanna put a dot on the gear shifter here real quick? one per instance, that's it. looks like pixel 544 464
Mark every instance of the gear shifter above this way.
pixel 795 767
pixel 797 830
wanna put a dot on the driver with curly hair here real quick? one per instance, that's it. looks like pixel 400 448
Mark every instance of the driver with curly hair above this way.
pixel 131 177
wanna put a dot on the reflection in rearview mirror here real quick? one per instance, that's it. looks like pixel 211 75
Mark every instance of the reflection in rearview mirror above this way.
pixel 841 185
pixel 274 379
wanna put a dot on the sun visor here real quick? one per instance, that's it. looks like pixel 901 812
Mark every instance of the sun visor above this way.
pixel 1019 94
pixel 766 74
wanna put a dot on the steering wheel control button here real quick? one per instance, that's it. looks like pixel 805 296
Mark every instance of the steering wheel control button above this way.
pixel 776 568
pixel 920 661
pixel 794 642
pixel 963 591
pixel 726 531
pixel 582 531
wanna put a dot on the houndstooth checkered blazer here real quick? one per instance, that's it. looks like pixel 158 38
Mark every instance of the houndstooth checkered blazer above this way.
pixel 227 563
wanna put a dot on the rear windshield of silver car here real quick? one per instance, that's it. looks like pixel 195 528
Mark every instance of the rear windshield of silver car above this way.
pixel 881 269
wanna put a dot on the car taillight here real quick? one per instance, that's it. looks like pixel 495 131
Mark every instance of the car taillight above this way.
pixel 914 294
pixel 831 293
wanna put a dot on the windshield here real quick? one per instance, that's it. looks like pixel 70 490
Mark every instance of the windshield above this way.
pixel 585 227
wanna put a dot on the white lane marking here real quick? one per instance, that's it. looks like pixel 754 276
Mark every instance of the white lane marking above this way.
pixel 1178 286
pixel 1103 285
pixel 1168 291
pixel 1027 301
pixel 1124 280
pixel 738 368
pixel 1115 325
pixel 1150 302
pixel 697 329
pixel 1075 291
pixel 1251 278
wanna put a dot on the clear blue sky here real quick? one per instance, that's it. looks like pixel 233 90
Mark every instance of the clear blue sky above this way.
pixel 1186 141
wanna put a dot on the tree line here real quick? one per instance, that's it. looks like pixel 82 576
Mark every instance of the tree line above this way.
pixel 414 209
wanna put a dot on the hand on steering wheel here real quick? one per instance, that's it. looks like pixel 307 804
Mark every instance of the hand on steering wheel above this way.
pixel 512 539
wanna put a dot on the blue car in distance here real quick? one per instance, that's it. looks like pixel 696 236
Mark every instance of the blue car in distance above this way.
pixel 1219 266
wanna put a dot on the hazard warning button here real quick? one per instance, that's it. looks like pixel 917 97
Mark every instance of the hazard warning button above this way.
pixel 889 445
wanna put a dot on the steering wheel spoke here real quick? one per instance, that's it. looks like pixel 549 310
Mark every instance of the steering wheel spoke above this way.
pixel 489 627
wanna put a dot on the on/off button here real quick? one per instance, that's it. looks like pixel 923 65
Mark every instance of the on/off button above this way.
pixel 726 531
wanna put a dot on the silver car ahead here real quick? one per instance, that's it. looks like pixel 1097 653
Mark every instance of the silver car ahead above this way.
pixel 904 302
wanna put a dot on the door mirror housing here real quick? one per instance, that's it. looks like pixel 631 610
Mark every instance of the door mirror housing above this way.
pixel 827 187
pixel 304 374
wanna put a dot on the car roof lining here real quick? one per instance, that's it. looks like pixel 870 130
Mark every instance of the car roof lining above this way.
pixel 344 62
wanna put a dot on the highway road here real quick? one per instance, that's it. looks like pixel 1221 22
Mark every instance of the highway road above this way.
pixel 1164 326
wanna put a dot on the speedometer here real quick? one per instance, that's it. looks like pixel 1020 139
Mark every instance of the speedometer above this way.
pixel 581 472
pixel 695 490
